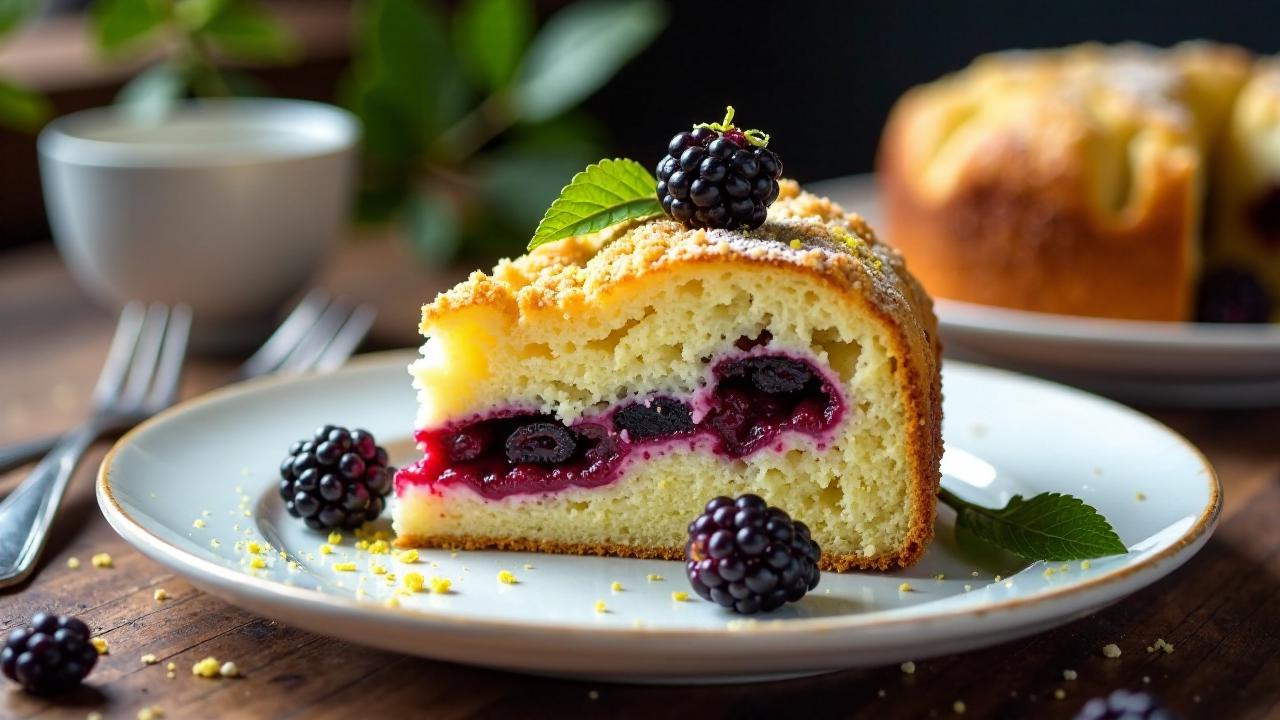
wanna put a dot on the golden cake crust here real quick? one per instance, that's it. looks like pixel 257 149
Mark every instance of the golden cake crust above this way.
pixel 806 234
pixel 1065 181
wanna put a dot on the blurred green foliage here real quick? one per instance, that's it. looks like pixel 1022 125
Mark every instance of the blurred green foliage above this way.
pixel 470 127
pixel 195 36
pixel 469 120
pixel 20 108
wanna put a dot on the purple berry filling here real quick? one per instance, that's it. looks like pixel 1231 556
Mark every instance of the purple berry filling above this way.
pixel 754 398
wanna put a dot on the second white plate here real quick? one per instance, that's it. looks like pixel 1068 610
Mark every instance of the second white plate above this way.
pixel 1190 364
pixel 195 487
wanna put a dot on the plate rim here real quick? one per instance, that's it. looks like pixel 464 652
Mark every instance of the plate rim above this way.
pixel 218 575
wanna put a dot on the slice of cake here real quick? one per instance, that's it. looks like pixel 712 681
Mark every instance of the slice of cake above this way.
pixel 1065 181
pixel 592 395
pixel 1242 276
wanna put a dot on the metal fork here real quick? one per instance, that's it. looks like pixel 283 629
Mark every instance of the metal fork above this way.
pixel 319 334
pixel 139 378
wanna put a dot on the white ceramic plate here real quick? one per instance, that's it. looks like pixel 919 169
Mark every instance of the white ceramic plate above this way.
pixel 1193 364
pixel 215 459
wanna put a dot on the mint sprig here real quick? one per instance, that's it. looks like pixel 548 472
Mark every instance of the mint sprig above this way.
pixel 604 194
pixel 1049 526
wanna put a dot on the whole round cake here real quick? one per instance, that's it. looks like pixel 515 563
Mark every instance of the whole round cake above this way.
pixel 1125 182
pixel 592 395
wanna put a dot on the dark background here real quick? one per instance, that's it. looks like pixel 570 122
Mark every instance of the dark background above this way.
pixel 819 76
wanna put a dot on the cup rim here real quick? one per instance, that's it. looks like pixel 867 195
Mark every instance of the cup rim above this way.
pixel 64 139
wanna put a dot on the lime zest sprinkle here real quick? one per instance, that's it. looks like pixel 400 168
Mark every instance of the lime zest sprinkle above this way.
pixel 757 138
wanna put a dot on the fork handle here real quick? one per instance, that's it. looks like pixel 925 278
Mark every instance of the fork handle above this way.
pixel 27 513
pixel 18 454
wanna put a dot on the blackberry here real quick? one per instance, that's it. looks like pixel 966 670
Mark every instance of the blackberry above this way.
pixel 1231 295
pixel 52 654
pixel 543 443
pixel 338 478
pixel 1125 705
pixel 770 374
pixel 718 176
pixel 748 557
pixel 657 417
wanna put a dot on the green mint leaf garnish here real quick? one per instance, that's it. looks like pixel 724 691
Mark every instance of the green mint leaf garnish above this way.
pixel 604 194
pixel 1049 526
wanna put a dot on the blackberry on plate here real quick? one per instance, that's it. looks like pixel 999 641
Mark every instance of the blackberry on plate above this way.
pixel 1125 705
pixel 1231 295
pixel 749 557
pixel 52 654
pixel 338 478
pixel 719 176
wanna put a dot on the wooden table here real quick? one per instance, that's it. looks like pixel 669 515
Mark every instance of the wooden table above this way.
pixel 1221 611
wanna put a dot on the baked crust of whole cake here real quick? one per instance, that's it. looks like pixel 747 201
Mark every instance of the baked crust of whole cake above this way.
pixel 807 240
pixel 1066 181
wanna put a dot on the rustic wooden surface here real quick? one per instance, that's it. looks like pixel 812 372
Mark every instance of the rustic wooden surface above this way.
pixel 1221 611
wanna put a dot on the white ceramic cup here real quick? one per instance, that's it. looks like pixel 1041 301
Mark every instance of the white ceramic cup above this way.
pixel 229 205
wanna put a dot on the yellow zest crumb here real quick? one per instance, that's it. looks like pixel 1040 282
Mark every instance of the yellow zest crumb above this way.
pixel 958 707
pixel 908 667
pixel 408 556
pixel 528 566
pixel 149 659
pixel 413 581
pixel 335 538
pixel 506 577
pixel 171 666
pixel 999 578
pixel 1059 694
pixel 616 586
pixel 1161 645
pixel 680 596
pixel 654 577
pixel 362 544
pixel 1070 675
pixel 215 543
pixel 601 607
pixel 1111 650
pixel 796 244
pixel 1140 496
pixel 101 560
pixel 73 562
pixel 95 715
pixel 379 547
pixel 160 595
pixel 254 547
pixel 229 670
pixel 377 569
pixel 198 524
pixel 152 712
pixel 246 513
pixel 1008 583
pixel 1084 565
pixel 967 587
pixel 904 587
pixel 326 549
pixel 392 602
pixel 100 644
pixel 440 586
pixel 391 578
pixel 206 668
pixel 293 566
pixel 257 563
pixel 345 567
pixel 940 577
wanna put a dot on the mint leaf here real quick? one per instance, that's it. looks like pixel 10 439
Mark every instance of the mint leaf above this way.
pixel 1049 526
pixel 602 195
